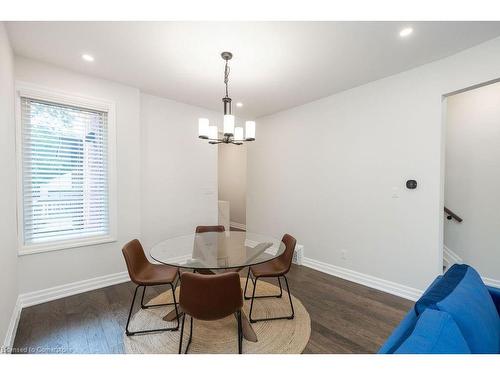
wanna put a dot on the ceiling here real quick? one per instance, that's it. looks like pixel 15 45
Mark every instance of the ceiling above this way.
pixel 276 65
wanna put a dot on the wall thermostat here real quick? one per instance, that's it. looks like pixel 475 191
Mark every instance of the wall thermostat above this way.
pixel 411 184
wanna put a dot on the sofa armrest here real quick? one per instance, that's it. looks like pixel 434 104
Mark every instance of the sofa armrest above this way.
pixel 400 333
pixel 404 329
pixel 495 295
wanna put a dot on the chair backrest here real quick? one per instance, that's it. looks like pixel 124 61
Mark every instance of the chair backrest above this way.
pixel 287 256
pixel 210 297
pixel 134 258
pixel 209 228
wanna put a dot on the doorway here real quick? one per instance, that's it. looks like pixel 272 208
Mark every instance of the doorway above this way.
pixel 232 185
pixel 472 180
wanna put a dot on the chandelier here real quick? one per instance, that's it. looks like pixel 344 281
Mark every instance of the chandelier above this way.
pixel 231 133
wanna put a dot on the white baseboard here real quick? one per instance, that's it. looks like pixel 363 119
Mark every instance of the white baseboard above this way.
pixel 450 257
pixel 12 329
pixel 238 225
pixel 50 294
pixel 364 279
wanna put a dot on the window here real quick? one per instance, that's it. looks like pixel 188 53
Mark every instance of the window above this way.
pixel 65 164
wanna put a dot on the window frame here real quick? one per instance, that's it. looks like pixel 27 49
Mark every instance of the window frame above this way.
pixel 24 89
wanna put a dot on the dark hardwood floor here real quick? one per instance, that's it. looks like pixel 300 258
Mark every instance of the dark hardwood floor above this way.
pixel 345 317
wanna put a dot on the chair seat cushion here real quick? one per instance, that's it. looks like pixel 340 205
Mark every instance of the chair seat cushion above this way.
pixel 155 274
pixel 462 294
pixel 272 268
pixel 435 333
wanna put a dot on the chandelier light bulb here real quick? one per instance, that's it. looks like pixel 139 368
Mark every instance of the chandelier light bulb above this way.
pixel 228 124
pixel 203 125
pixel 250 130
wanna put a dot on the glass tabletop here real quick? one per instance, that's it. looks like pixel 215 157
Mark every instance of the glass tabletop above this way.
pixel 212 250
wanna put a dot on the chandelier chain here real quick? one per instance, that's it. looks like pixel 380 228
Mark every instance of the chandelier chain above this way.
pixel 226 77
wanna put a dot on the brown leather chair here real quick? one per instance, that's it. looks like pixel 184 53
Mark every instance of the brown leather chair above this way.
pixel 206 229
pixel 278 268
pixel 210 297
pixel 143 273
pixel 210 228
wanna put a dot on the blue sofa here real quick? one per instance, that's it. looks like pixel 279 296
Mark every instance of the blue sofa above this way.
pixel 457 314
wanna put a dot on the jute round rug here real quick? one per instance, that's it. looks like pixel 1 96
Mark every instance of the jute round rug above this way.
pixel 274 337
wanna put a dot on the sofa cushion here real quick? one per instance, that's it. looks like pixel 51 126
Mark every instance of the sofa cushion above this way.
pixel 435 333
pixel 404 329
pixel 463 295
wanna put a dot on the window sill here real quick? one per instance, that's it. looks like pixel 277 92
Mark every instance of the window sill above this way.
pixel 44 248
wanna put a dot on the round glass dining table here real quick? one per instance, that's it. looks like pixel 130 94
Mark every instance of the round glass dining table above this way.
pixel 218 251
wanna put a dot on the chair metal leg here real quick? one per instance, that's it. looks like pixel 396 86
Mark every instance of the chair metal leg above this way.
pixel 129 333
pixel 175 307
pixel 251 303
pixel 130 312
pixel 240 333
pixel 290 298
pixel 281 288
pixel 178 278
pixel 143 306
pixel 190 335
pixel 254 282
pixel 246 283
pixel 273 318
pixel 182 333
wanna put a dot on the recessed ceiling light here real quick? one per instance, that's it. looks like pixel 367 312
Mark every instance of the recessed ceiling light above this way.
pixel 88 57
pixel 239 104
pixel 405 32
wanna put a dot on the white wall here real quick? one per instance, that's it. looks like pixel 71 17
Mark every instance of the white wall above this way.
pixel 39 271
pixel 179 171
pixel 166 176
pixel 325 171
pixel 8 254
pixel 233 180
pixel 329 181
pixel 472 182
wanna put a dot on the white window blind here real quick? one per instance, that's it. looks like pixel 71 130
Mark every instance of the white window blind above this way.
pixel 65 187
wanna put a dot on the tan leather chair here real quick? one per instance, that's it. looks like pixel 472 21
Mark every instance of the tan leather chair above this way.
pixel 278 268
pixel 143 273
pixel 210 297
pixel 210 228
